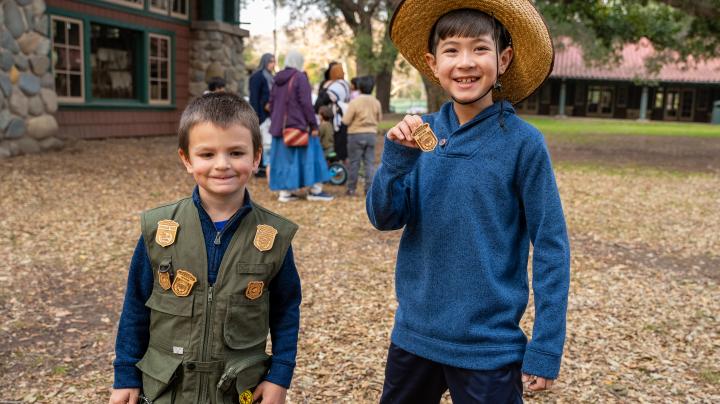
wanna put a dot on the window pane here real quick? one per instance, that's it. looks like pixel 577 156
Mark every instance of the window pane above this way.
pixel 164 69
pixel 112 52
pixel 75 85
pixel 154 90
pixel 58 34
pixel 164 91
pixel 164 48
pixel 162 4
pixel 179 6
pixel 61 84
pixel 75 59
pixel 153 47
pixel 60 56
pixel 74 34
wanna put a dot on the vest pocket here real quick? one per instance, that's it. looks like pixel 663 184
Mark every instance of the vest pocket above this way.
pixel 158 372
pixel 247 322
pixel 170 318
pixel 246 374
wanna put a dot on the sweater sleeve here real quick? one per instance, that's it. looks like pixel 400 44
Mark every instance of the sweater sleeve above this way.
pixel 349 114
pixel 285 298
pixel 389 198
pixel 133 330
pixel 304 93
pixel 551 260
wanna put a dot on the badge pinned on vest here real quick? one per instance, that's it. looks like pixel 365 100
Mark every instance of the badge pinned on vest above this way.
pixel 166 232
pixel 254 289
pixel 246 397
pixel 183 283
pixel 165 273
pixel 265 237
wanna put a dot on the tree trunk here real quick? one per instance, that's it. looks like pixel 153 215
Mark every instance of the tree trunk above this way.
pixel 436 96
pixel 383 82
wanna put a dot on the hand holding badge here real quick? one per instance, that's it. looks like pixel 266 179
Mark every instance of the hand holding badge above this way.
pixel 425 138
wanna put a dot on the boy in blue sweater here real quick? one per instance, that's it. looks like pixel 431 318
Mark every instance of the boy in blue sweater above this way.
pixel 211 276
pixel 470 207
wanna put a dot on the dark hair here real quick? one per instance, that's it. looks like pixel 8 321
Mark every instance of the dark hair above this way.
pixel 326 112
pixel 354 82
pixel 327 72
pixel 222 110
pixel 365 84
pixel 216 83
pixel 468 23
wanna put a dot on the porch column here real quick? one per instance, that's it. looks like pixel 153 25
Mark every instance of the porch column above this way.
pixel 643 104
pixel 563 95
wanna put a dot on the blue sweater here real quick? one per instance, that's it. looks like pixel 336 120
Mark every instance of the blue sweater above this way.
pixel 470 209
pixel 259 94
pixel 133 331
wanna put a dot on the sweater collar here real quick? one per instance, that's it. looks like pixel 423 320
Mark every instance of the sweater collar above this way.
pixel 232 222
pixel 448 113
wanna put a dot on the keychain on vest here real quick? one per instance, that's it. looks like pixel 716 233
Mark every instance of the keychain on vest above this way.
pixel 166 273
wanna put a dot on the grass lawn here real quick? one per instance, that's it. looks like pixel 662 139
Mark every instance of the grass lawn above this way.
pixel 589 126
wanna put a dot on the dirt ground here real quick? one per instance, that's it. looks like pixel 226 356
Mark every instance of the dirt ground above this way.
pixel 644 311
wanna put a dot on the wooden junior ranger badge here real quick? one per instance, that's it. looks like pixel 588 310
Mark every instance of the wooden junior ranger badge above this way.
pixel 166 232
pixel 254 289
pixel 264 237
pixel 164 279
pixel 425 138
pixel 183 283
pixel 246 397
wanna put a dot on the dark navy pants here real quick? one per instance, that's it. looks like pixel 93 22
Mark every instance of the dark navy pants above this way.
pixel 410 379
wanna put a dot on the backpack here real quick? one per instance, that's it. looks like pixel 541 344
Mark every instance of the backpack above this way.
pixel 323 98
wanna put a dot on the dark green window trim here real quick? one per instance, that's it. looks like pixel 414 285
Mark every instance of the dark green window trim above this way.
pixel 145 11
pixel 142 102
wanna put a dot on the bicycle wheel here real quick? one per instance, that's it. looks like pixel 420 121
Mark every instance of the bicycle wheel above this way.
pixel 338 174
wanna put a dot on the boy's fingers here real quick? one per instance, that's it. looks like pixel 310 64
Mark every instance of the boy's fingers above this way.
pixel 525 377
pixel 405 131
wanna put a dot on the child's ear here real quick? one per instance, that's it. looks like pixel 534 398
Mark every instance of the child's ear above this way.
pixel 430 60
pixel 505 59
pixel 256 160
pixel 185 160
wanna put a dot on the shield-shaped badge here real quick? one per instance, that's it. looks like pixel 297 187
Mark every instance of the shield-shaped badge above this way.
pixel 183 283
pixel 254 289
pixel 264 237
pixel 425 138
pixel 166 232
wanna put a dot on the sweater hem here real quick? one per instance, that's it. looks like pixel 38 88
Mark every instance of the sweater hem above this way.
pixel 471 356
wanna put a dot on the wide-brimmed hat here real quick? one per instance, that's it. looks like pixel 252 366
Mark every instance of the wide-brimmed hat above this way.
pixel 532 46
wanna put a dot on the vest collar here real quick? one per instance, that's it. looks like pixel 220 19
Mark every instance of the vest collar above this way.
pixel 232 223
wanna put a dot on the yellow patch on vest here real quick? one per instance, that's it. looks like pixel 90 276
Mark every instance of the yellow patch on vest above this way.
pixel 164 279
pixel 246 397
pixel 425 138
pixel 166 232
pixel 254 289
pixel 265 237
pixel 183 283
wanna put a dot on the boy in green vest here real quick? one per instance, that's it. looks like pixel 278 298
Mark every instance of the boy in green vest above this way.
pixel 211 276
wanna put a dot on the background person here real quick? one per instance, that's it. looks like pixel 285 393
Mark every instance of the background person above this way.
pixel 259 87
pixel 291 106
pixel 362 117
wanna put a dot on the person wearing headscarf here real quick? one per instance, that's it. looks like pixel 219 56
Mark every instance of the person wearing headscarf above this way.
pixel 291 106
pixel 260 84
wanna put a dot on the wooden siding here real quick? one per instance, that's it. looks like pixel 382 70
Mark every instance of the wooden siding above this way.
pixel 75 122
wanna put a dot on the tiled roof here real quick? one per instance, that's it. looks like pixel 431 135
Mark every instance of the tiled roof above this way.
pixel 569 64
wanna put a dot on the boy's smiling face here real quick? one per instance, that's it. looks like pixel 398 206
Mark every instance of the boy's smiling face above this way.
pixel 468 67
pixel 220 160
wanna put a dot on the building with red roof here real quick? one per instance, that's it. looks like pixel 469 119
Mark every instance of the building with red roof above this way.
pixel 628 90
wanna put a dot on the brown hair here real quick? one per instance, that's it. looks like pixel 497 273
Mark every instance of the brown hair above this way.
pixel 468 23
pixel 326 112
pixel 222 110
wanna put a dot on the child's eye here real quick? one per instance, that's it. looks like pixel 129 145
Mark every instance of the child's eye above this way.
pixel 450 50
pixel 237 153
pixel 482 49
pixel 206 155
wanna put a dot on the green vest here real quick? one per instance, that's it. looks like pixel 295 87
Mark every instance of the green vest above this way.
pixel 209 346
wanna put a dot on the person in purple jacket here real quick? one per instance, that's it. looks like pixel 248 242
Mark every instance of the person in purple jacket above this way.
pixel 292 168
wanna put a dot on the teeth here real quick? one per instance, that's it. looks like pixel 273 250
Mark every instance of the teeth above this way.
pixel 465 81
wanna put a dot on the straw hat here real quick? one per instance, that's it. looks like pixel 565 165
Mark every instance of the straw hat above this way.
pixel 532 46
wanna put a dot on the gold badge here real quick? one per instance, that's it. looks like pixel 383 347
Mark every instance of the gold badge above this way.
pixel 246 397
pixel 164 278
pixel 166 231
pixel 264 237
pixel 425 138
pixel 254 289
pixel 183 283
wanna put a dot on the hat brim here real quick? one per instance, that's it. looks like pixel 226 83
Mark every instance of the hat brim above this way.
pixel 533 52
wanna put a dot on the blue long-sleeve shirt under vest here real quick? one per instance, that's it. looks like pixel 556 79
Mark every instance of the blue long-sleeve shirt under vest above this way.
pixel 285 297
pixel 469 210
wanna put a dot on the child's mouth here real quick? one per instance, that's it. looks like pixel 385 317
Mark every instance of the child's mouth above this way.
pixel 466 80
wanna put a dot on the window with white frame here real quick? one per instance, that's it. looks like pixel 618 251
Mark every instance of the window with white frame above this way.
pixel 159 69
pixel 175 8
pixel 67 58
pixel 129 3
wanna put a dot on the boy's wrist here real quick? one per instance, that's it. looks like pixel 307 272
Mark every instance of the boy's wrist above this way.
pixel 541 364
pixel 398 156
pixel 280 374
pixel 127 377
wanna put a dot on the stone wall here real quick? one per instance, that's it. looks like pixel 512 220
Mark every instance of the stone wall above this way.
pixel 216 50
pixel 27 87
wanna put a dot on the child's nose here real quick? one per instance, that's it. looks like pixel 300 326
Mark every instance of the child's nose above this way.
pixel 467 59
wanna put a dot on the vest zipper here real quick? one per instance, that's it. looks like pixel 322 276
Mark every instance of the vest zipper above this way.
pixel 204 380
pixel 218 237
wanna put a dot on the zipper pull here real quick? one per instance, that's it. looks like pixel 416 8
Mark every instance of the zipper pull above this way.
pixel 217 238
pixel 210 294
